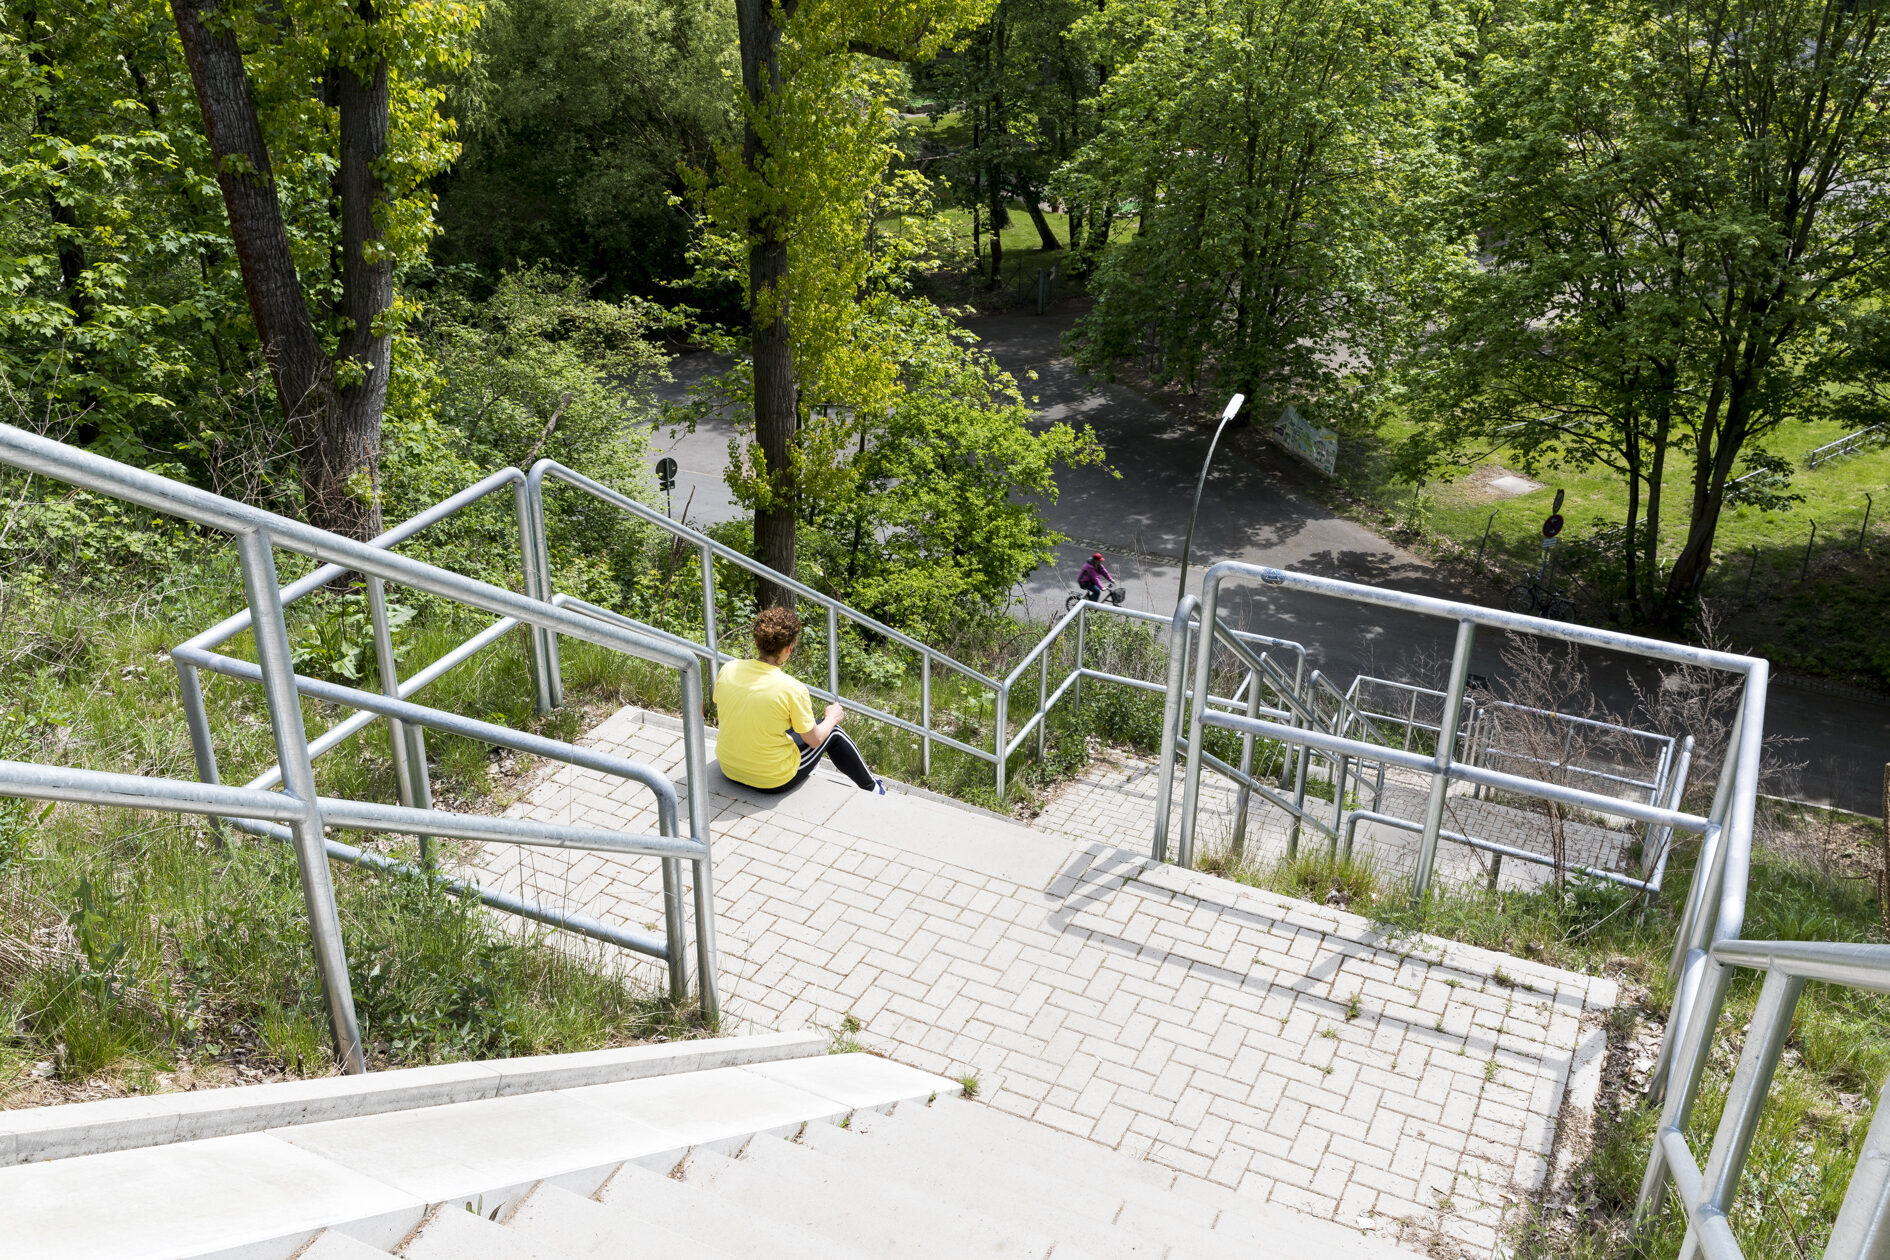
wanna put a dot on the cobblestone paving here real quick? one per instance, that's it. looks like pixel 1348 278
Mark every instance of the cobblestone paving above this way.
pixel 1277 1047
pixel 1113 802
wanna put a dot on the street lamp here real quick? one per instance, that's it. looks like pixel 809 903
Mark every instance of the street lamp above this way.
pixel 1233 406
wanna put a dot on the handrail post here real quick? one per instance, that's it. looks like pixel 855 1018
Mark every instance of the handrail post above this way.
pixel 709 636
pixel 1243 795
pixel 1043 693
pixel 1446 749
pixel 534 573
pixel 1002 737
pixel 1082 626
pixel 197 719
pixel 406 743
pixel 1180 637
pixel 298 777
pixel 833 651
pixel 925 715
pixel 696 776
pixel 675 943
pixel 1765 1038
pixel 1197 709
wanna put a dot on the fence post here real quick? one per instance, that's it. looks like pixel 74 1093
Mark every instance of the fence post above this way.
pixel 1486 538
pixel 1865 527
pixel 1082 627
pixel 1805 568
pixel 298 779
pixel 407 743
pixel 709 636
pixel 833 651
pixel 197 719
pixel 535 570
pixel 925 714
pixel 1446 749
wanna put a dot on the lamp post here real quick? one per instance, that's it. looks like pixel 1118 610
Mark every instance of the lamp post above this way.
pixel 1233 407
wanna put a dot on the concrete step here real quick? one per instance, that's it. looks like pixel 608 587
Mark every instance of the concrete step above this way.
pixel 562 1224
pixel 452 1233
pixel 968 1136
pixel 640 1196
pixel 332 1245
pixel 1077 1210
pixel 871 1214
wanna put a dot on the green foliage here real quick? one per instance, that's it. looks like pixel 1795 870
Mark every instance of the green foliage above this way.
pixel 576 118
pixel 1279 155
pixel 1670 275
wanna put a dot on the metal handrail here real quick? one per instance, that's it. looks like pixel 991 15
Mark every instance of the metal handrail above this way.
pixel 257 533
pixel 1005 743
pixel 1862 1228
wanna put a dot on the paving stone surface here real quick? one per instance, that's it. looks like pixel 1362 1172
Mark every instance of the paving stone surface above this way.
pixel 1281 1048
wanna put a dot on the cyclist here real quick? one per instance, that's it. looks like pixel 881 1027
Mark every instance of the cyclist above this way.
pixel 769 739
pixel 1094 574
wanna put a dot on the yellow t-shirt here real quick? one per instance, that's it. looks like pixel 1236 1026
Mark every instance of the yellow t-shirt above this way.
pixel 758 704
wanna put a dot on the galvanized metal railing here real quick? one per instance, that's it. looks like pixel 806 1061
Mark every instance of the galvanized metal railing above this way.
pixel 1862 1228
pixel 1004 693
pixel 298 812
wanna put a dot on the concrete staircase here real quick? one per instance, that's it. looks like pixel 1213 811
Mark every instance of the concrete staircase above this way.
pixel 822 1156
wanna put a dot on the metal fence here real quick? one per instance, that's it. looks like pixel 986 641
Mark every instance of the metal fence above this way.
pixel 1008 696
pixel 297 812
pixel 1862 1229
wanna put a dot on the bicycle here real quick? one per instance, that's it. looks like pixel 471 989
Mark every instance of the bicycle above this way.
pixel 1535 596
pixel 1112 594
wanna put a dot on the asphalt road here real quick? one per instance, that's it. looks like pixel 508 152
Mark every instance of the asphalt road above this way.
pixel 1135 509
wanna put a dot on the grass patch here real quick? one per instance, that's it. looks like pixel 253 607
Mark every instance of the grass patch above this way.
pixel 1830 623
pixel 140 951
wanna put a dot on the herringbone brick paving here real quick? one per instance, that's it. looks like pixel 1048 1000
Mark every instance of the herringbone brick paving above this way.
pixel 1280 1048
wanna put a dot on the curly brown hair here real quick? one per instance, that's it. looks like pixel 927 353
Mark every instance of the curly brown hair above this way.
pixel 776 629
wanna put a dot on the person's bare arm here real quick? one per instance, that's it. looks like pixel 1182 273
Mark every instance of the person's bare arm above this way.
pixel 816 735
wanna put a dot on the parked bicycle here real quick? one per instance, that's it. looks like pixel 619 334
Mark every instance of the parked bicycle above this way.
pixel 1538 597
pixel 1112 593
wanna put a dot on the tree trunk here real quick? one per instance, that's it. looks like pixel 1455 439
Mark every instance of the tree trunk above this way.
pixel 335 426
pixel 1045 237
pixel 351 440
pixel 997 237
pixel 777 410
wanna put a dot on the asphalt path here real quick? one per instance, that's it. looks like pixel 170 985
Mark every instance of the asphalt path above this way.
pixel 1256 508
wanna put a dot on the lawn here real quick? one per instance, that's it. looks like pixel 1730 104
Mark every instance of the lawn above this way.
pixel 1822 613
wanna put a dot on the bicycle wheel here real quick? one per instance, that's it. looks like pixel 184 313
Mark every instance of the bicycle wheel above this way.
pixel 1072 602
pixel 1522 597
pixel 1561 608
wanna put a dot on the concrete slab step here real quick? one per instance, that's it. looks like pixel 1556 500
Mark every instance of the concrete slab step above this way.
pixel 488 1153
pixel 332 1245
pixel 1076 1210
pixel 643 1197
pixel 562 1224
pixel 967 1136
pixel 455 1234
pixel 858 1081
pixel 791 1183
pixel 247 1191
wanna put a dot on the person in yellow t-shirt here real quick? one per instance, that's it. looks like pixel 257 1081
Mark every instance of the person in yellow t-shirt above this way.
pixel 769 740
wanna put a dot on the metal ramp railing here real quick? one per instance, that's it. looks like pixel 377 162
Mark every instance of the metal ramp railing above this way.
pixel 297 812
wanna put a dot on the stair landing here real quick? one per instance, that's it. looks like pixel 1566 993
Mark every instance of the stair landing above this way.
pixel 1284 1050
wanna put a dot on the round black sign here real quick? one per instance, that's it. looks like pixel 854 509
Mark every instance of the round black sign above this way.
pixel 665 473
pixel 1552 526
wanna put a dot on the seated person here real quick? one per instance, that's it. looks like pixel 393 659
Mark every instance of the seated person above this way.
pixel 769 740
pixel 1094 574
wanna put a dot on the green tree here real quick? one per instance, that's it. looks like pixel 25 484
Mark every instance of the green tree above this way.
pixel 1279 150
pixel 1683 210
pixel 577 117
pixel 324 128
pixel 791 214
pixel 1016 102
